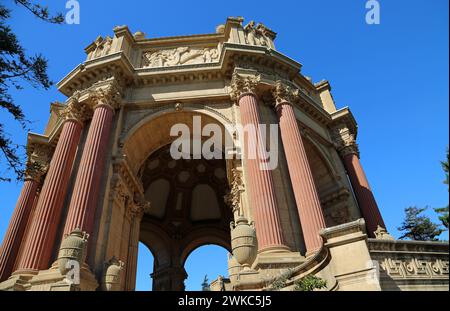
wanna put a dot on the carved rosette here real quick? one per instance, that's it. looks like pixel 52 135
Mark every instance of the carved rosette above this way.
pixel 76 110
pixel 243 85
pixel 109 96
pixel 283 94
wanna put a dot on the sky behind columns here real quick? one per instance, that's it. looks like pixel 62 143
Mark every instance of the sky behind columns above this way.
pixel 393 76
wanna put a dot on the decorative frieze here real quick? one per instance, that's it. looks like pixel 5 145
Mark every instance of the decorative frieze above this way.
pixel 415 268
pixel 180 56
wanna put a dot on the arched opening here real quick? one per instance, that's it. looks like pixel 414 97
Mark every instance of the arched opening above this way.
pixel 144 268
pixel 334 197
pixel 187 210
pixel 198 265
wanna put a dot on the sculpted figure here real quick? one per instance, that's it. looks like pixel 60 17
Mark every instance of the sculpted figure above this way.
pixel 107 46
pixel 251 33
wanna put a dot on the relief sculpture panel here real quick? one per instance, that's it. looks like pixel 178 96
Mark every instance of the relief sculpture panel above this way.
pixel 179 56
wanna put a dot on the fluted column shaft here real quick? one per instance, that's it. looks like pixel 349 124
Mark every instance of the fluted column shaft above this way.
pixel 86 190
pixel 363 193
pixel 266 213
pixel 17 227
pixel 131 263
pixel 305 192
pixel 38 245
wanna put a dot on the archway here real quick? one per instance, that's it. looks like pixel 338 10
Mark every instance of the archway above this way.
pixel 187 203
pixel 144 268
pixel 196 268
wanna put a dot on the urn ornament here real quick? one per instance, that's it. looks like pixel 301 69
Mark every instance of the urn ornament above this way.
pixel 243 242
pixel 111 276
pixel 73 248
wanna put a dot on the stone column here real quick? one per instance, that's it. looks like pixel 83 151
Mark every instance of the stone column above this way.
pixel 305 192
pixel 38 246
pixel 9 250
pixel 85 194
pixel 263 198
pixel 363 193
pixel 137 211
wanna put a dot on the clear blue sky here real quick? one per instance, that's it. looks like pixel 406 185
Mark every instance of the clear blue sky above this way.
pixel 394 76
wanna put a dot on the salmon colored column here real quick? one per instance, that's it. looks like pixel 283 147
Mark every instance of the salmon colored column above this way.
pixel 264 204
pixel 305 192
pixel 364 196
pixel 17 226
pixel 41 237
pixel 86 190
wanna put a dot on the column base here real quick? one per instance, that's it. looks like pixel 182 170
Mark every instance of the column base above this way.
pixel 49 280
pixel 277 260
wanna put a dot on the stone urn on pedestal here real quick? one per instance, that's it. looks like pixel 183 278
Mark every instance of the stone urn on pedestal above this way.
pixel 244 244
pixel 111 275
pixel 72 251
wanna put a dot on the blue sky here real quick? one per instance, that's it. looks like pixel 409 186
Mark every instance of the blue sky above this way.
pixel 393 76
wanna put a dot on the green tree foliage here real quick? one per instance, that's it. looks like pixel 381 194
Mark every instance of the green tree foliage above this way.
pixel 280 282
pixel 443 211
pixel 310 283
pixel 205 284
pixel 15 68
pixel 419 227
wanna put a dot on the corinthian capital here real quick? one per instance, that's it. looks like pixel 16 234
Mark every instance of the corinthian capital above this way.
pixel 76 110
pixel 109 95
pixel 139 206
pixel 283 94
pixel 345 140
pixel 242 85
pixel 38 161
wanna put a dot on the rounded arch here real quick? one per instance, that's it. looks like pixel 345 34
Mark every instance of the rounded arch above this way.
pixel 156 241
pixel 197 272
pixel 323 156
pixel 153 131
pixel 204 236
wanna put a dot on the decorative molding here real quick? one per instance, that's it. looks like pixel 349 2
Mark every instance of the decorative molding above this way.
pixel 233 198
